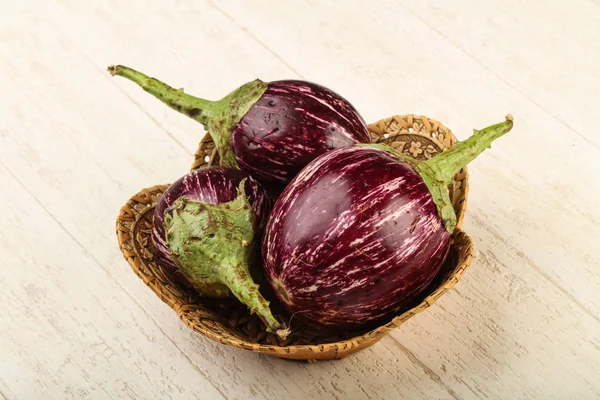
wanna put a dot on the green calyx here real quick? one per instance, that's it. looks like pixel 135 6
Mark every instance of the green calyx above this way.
pixel 218 117
pixel 212 245
pixel 437 172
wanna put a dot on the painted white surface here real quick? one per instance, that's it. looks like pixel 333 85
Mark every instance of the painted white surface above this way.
pixel 75 322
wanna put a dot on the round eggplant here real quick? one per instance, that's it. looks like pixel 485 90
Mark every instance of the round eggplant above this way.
pixel 207 229
pixel 362 231
pixel 272 130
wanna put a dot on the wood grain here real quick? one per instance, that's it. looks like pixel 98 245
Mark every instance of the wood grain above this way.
pixel 526 44
pixel 67 330
pixel 75 144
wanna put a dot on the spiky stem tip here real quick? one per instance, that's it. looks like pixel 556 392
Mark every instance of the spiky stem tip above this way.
pixel 112 69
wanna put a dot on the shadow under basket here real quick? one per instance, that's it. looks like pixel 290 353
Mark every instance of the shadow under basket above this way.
pixel 229 322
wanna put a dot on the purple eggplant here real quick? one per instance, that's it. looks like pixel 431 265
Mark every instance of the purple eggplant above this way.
pixel 206 230
pixel 272 130
pixel 362 231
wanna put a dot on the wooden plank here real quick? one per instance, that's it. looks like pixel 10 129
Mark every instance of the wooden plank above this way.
pixel 67 330
pixel 196 48
pixel 528 329
pixel 542 50
pixel 83 165
pixel 505 333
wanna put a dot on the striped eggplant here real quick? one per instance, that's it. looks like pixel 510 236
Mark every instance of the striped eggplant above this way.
pixel 206 230
pixel 362 231
pixel 272 130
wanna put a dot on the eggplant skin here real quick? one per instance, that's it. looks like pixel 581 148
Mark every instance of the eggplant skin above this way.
pixel 354 237
pixel 290 125
pixel 213 185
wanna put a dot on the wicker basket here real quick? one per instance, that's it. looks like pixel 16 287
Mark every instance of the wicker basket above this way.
pixel 229 322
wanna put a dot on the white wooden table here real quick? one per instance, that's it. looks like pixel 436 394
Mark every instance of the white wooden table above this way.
pixel 76 323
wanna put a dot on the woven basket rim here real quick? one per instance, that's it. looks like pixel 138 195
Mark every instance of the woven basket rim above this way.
pixel 372 335
pixel 341 347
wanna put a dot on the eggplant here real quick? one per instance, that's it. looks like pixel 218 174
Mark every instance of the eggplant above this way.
pixel 206 231
pixel 271 130
pixel 362 231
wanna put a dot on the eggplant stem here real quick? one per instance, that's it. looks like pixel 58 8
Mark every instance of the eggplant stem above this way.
pixel 437 173
pixel 246 291
pixel 219 117
pixel 447 164
pixel 196 108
